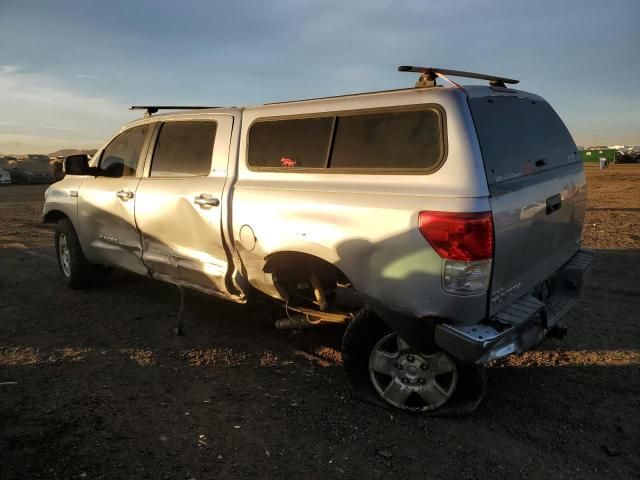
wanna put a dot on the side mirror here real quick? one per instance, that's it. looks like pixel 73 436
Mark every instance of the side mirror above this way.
pixel 76 165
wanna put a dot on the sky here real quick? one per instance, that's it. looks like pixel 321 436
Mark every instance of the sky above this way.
pixel 70 68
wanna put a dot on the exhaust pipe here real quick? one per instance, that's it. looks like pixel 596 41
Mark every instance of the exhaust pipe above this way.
pixel 297 322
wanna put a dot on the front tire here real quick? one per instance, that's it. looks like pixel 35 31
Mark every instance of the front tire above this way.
pixel 76 270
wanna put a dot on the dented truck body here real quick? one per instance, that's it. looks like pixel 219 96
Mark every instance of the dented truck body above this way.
pixel 400 201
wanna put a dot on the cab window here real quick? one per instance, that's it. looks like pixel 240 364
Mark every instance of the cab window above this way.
pixel 299 143
pixel 398 140
pixel 122 155
pixel 410 140
pixel 184 149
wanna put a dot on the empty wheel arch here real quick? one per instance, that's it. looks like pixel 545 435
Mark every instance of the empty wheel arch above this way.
pixel 297 277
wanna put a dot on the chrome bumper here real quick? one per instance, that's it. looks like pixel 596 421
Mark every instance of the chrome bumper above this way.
pixel 522 324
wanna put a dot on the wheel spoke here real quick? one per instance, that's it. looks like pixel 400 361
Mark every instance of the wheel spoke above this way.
pixel 432 393
pixel 382 362
pixel 64 254
pixel 396 393
pixel 441 364
pixel 402 345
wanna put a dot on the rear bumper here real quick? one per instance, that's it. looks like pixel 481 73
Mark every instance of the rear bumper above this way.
pixel 524 323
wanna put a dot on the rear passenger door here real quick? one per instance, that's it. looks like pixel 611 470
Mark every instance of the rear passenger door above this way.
pixel 179 203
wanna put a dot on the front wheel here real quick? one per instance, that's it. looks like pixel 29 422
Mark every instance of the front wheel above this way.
pixel 77 272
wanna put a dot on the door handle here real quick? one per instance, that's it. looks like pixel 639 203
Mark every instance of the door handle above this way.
pixel 124 195
pixel 554 203
pixel 206 200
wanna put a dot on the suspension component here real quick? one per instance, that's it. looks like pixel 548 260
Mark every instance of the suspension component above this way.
pixel 318 292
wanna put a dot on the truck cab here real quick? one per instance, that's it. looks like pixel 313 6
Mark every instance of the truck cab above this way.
pixel 153 202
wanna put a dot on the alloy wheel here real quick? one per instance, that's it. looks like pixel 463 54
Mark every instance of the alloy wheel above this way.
pixel 411 380
pixel 64 254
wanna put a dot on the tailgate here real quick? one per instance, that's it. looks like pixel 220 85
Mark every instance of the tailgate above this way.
pixel 538 192
pixel 538 225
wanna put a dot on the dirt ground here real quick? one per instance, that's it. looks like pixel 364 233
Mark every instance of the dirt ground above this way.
pixel 94 384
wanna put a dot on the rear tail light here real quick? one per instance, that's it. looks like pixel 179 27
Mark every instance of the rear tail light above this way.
pixel 465 242
pixel 459 236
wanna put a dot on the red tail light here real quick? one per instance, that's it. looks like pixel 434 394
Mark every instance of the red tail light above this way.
pixel 458 236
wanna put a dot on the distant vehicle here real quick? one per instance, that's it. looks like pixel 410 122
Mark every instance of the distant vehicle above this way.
pixel 58 169
pixel 38 157
pixel 441 225
pixel 5 176
pixel 32 169
pixel 6 164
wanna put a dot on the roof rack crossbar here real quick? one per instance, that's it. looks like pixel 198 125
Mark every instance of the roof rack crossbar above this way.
pixel 429 74
pixel 151 109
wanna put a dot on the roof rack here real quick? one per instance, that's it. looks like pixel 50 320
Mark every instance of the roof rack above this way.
pixel 429 74
pixel 151 109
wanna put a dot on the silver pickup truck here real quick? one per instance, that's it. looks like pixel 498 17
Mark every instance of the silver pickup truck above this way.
pixel 442 225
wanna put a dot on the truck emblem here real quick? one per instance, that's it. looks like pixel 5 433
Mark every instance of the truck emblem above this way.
pixel 287 162
pixel 106 238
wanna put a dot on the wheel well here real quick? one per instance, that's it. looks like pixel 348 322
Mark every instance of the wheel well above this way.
pixel 54 216
pixel 291 272
pixel 296 263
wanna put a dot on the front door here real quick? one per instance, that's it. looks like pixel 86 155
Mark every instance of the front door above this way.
pixel 106 203
pixel 179 204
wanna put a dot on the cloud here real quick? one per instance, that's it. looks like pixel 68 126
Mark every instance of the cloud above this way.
pixel 57 128
pixel 27 91
pixel 6 69
pixel 86 75
pixel 43 111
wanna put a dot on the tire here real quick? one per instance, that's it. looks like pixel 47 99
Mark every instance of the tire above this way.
pixel 431 383
pixel 362 333
pixel 77 272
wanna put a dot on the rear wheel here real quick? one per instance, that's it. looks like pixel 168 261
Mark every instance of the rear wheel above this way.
pixel 385 370
pixel 408 379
